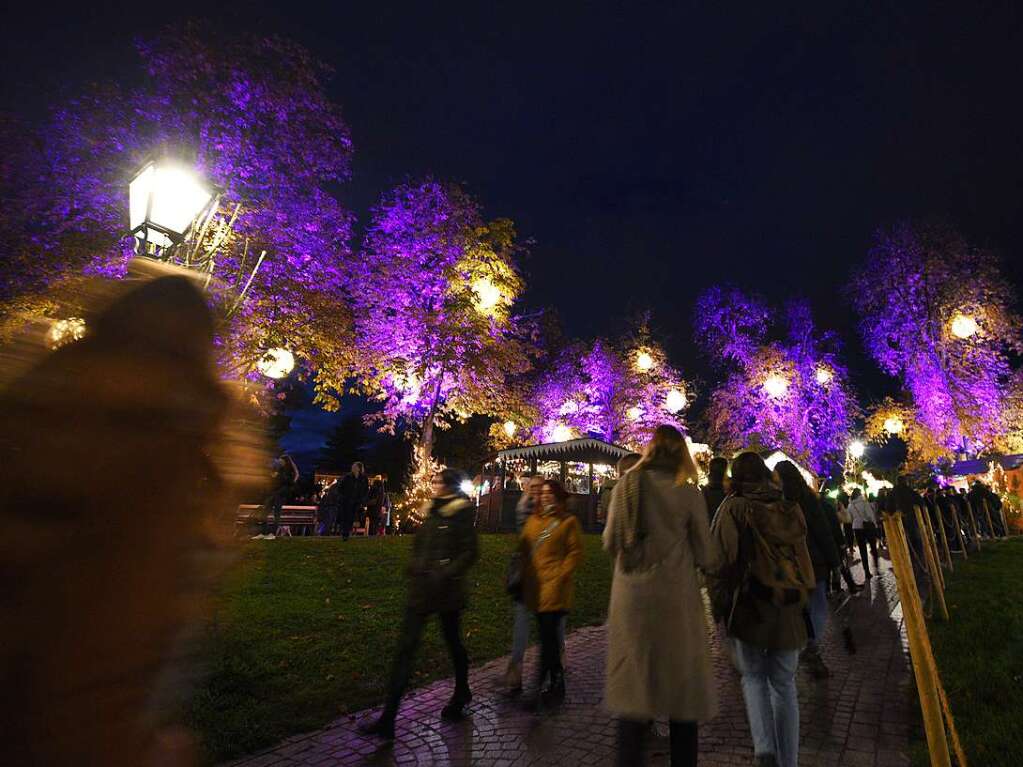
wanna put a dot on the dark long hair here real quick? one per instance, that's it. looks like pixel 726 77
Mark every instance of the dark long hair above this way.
pixel 749 468
pixel 793 486
pixel 559 493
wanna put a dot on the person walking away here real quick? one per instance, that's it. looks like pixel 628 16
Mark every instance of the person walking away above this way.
pixel 285 477
pixel 354 489
pixel 374 504
pixel 658 659
pixel 528 502
pixel 327 508
pixel 831 515
pixel 842 503
pixel 551 548
pixel 823 555
pixel 864 518
pixel 444 548
pixel 759 593
pixel 714 491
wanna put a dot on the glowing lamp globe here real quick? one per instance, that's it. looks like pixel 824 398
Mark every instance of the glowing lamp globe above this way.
pixel 893 425
pixel 276 363
pixel 561 433
pixel 467 488
pixel 488 295
pixel 634 413
pixel 675 401
pixel 964 326
pixel 510 428
pixel 644 361
pixel 824 375
pixel 857 449
pixel 776 386
pixel 164 199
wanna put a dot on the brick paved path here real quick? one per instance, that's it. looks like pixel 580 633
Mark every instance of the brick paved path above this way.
pixel 859 717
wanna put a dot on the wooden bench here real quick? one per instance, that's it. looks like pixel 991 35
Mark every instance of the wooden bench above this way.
pixel 298 520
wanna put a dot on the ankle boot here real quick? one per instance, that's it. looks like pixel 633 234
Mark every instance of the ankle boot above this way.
pixel 513 678
pixel 554 693
pixel 455 709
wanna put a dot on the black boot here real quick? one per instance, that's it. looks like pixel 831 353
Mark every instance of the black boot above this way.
pixel 554 693
pixel 455 709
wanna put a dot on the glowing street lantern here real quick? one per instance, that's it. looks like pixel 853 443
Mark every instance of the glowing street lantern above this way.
pixel 824 375
pixel 510 428
pixel 634 413
pixel 561 433
pixel 675 401
pixel 893 424
pixel 63 332
pixel 776 386
pixel 276 363
pixel 488 295
pixel 164 199
pixel 857 448
pixel 467 488
pixel 964 326
pixel 644 362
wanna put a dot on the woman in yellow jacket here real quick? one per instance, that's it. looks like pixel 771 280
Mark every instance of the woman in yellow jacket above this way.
pixel 551 547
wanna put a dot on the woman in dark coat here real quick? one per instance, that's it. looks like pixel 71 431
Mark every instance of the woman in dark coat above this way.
pixel 444 549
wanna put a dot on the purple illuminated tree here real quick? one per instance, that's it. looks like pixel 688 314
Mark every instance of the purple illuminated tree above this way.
pixel 935 313
pixel 251 114
pixel 618 391
pixel 790 392
pixel 438 339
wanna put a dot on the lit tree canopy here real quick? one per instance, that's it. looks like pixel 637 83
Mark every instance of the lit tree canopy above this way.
pixel 791 393
pixel 934 312
pixel 436 286
pixel 616 391
pixel 892 418
pixel 251 115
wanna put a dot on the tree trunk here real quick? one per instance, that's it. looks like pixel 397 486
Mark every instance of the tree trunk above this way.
pixel 426 439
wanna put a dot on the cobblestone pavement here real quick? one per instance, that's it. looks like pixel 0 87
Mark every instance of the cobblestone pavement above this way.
pixel 859 717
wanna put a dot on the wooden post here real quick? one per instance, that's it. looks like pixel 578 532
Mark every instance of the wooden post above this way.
pixel 932 538
pixel 931 560
pixel 944 536
pixel 959 529
pixel 973 522
pixel 916 631
pixel 987 513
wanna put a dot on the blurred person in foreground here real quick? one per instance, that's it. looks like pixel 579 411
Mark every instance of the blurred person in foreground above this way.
pixel 714 491
pixel 528 503
pixel 759 594
pixel 551 547
pixel 658 659
pixel 625 463
pixel 109 489
pixel 443 550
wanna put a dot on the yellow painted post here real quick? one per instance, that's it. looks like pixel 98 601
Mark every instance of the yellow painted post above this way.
pixel 932 539
pixel 987 513
pixel 930 557
pixel 973 523
pixel 944 536
pixel 916 631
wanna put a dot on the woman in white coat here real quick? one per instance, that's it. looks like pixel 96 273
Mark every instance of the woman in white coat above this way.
pixel 658 660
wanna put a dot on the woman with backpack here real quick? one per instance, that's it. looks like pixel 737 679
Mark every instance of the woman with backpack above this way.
pixel 759 593
pixel 552 548
pixel 658 660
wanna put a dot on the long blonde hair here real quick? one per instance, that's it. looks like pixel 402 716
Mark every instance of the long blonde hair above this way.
pixel 668 450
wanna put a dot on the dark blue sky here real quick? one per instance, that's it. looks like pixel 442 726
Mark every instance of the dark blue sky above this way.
pixel 649 150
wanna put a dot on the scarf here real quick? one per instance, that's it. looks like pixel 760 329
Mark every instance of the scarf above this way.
pixel 629 531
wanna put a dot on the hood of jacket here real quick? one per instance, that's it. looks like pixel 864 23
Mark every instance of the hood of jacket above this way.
pixel 779 521
pixel 446 507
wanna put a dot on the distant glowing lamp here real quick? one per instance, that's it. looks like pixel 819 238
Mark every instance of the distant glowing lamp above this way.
pixel 63 332
pixel 561 433
pixel 510 428
pixel 893 424
pixel 644 361
pixel 964 326
pixel 857 448
pixel 467 487
pixel 776 386
pixel 675 401
pixel 569 407
pixel 488 295
pixel 824 375
pixel 276 362
pixel 634 413
pixel 164 199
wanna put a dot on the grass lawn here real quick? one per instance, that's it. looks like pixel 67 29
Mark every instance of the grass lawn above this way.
pixel 305 629
pixel 980 654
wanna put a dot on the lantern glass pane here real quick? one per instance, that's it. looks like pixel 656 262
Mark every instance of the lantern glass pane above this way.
pixel 138 195
pixel 178 197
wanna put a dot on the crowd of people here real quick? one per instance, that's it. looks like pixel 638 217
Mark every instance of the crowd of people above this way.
pixel 767 545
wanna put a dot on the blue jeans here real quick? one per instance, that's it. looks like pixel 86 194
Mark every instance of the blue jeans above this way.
pixel 772 706
pixel 818 607
pixel 520 632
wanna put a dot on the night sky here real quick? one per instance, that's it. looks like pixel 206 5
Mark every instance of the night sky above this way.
pixel 647 150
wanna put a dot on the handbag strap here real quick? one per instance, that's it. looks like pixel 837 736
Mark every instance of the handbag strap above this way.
pixel 543 536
